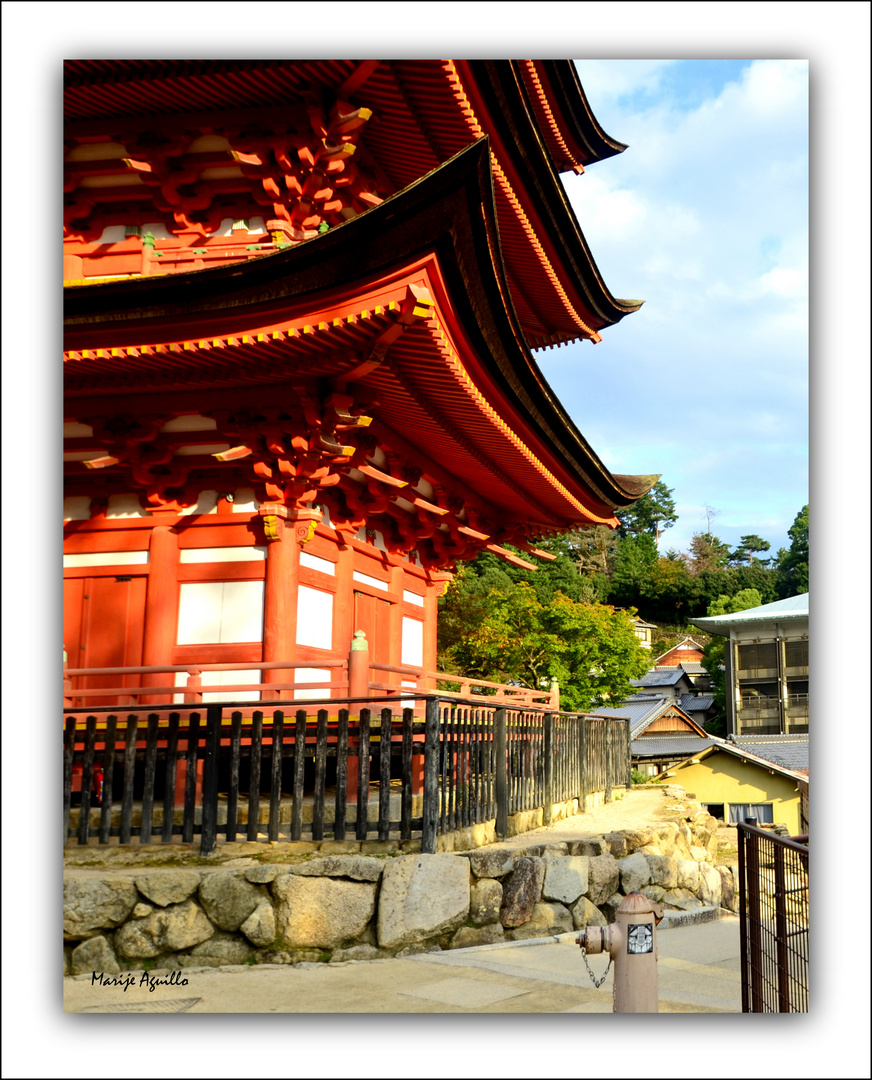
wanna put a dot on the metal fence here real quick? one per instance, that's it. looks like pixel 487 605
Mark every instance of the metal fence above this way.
pixel 773 899
pixel 402 768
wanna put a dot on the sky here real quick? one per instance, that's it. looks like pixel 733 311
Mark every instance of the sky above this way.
pixel 705 218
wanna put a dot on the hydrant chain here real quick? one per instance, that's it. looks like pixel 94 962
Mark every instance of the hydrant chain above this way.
pixel 596 982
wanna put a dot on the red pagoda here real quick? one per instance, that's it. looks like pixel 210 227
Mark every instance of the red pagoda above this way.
pixel 300 303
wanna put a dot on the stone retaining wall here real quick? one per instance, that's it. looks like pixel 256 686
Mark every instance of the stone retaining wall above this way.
pixel 355 906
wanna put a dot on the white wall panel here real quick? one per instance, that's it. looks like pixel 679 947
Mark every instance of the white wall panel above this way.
pixel 314 618
pixel 242 614
pixel 107 558
pixel 413 642
pixel 314 562
pixel 374 583
pixel 224 554
pixel 220 612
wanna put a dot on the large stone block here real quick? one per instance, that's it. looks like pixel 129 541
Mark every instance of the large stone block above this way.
pixel 521 891
pixel 664 837
pixel 468 937
pixel 729 892
pixel 356 867
pixel 421 897
pixel 169 929
pixel 485 901
pixel 687 874
pixel 603 878
pixel 683 899
pixel 322 913
pixel 260 926
pixel 635 872
pixel 664 870
pixel 584 913
pixel 709 884
pixel 609 907
pixel 165 887
pixel 218 950
pixel 637 838
pixel 565 879
pixel 591 846
pixel 228 899
pixel 96 904
pixel 545 920
pixel 617 844
pixel 96 954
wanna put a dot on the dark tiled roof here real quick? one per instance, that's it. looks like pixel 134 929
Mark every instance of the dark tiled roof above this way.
pixel 671 745
pixel 695 702
pixel 641 710
pixel 660 677
pixel 788 751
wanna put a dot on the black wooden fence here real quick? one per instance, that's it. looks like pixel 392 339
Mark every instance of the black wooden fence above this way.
pixel 403 769
pixel 773 905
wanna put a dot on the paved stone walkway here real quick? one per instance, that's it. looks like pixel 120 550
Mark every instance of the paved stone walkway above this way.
pixel 698 972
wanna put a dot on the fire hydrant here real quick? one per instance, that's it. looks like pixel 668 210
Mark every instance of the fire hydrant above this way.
pixel 631 942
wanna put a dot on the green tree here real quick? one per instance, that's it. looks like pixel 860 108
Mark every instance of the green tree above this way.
pixel 591 649
pixel 652 515
pixel 740 601
pixel 707 552
pixel 634 564
pixel 748 547
pixel 793 563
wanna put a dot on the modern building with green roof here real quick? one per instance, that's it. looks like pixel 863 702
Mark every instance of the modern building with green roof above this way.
pixel 766 664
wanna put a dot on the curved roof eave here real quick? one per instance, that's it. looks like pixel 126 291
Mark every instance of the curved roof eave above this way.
pixel 450 211
pixel 575 109
pixel 502 86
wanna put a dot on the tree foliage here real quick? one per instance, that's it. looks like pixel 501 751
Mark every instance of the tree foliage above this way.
pixel 793 563
pixel 503 623
pixel 748 547
pixel 651 515
pixel 512 634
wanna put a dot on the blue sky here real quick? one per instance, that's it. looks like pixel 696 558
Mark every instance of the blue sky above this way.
pixel 705 218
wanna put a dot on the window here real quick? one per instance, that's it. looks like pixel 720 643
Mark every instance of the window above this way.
pixel 761 811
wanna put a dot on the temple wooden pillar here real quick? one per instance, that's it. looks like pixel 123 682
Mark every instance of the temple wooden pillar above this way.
pixel 161 607
pixel 280 598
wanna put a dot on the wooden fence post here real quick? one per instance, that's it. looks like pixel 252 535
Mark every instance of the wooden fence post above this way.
pixel 583 722
pixel 629 758
pixel 431 777
pixel 501 778
pixel 548 778
pixel 609 757
pixel 209 835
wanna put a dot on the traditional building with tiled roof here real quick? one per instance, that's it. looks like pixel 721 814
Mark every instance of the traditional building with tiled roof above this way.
pixel 300 304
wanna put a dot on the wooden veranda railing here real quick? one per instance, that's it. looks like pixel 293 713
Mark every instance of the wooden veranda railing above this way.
pixel 405 767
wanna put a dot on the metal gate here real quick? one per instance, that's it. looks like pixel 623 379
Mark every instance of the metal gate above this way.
pixel 773 896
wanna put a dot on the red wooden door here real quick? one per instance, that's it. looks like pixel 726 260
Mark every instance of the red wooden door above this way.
pixel 373 616
pixel 103 625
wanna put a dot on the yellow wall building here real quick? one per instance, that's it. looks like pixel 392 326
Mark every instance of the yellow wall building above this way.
pixel 734 785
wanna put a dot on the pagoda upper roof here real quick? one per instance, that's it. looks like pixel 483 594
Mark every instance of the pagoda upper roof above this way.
pixel 418 115
pixel 407 307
